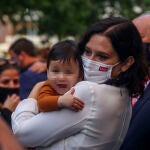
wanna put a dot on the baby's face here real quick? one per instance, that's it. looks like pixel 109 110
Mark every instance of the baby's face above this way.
pixel 63 75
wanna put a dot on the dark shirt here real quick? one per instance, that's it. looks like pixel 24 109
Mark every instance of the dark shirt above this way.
pixel 6 115
pixel 138 135
pixel 28 79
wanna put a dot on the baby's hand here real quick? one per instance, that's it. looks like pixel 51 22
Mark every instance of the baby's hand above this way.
pixel 77 104
pixel 71 102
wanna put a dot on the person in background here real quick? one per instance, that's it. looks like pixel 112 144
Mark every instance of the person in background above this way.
pixel 138 135
pixel 7 139
pixel 42 54
pixel 40 66
pixel 9 88
pixel 114 69
pixel 23 50
pixel 64 70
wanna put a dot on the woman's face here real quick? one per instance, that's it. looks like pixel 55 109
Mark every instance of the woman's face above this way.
pixel 9 78
pixel 99 48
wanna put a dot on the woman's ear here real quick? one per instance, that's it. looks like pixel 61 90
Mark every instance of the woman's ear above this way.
pixel 127 64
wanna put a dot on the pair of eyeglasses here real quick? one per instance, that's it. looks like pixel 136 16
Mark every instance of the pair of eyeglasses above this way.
pixel 4 61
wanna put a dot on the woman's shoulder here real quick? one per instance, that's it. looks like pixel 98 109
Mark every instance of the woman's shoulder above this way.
pixel 101 94
pixel 85 83
pixel 101 89
pixel 88 84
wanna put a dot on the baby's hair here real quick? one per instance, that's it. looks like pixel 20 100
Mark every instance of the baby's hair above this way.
pixel 65 51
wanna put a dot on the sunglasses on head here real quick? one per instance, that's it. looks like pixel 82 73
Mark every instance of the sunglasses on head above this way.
pixel 4 61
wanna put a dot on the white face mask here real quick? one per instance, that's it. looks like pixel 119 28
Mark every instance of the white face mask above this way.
pixel 95 71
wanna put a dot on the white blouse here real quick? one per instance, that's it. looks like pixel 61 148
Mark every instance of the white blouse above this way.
pixel 101 125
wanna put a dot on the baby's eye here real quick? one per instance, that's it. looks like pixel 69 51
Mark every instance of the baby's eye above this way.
pixel 55 70
pixel 68 72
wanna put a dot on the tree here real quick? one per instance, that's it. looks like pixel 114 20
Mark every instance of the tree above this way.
pixel 69 17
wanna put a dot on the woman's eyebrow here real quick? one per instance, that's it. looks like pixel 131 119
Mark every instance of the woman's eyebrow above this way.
pixel 103 53
pixel 86 47
pixel 99 52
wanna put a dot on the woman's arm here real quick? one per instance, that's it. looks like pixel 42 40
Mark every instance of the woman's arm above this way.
pixel 49 100
pixel 44 129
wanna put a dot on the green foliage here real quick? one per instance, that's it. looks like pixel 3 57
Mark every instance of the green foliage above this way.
pixel 67 17
pixel 70 17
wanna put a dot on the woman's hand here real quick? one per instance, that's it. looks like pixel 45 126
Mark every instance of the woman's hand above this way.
pixel 36 88
pixel 38 67
pixel 69 101
pixel 11 102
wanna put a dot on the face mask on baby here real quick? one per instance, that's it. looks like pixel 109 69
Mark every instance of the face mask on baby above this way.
pixel 4 92
pixel 95 71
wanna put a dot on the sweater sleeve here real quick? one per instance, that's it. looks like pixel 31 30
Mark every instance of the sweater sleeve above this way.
pixel 47 98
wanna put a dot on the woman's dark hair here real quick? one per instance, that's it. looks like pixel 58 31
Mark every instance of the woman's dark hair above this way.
pixel 66 51
pixel 126 41
pixel 146 48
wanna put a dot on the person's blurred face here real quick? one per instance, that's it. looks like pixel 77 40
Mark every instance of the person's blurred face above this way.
pixel 63 75
pixel 9 78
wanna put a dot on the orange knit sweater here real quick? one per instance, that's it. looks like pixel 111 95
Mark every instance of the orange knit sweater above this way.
pixel 47 98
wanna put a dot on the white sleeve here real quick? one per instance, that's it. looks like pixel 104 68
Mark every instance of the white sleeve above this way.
pixel 25 110
pixel 43 129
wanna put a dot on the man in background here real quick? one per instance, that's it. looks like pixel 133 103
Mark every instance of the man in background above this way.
pixel 138 135
pixel 23 50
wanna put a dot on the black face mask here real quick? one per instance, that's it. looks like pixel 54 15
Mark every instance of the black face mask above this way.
pixel 4 92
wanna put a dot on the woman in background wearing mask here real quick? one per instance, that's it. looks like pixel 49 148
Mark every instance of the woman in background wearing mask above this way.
pixel 9 88
pixel 112 55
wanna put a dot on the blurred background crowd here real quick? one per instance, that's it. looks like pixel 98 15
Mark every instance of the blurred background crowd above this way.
pixel 46 22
